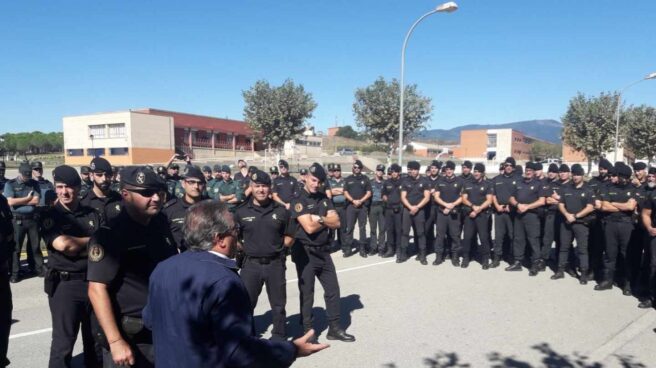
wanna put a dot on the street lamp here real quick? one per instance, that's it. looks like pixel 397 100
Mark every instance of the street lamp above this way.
pixel 619 107
pixel 448 7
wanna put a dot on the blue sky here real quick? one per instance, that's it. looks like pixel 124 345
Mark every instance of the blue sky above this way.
pixel 489 62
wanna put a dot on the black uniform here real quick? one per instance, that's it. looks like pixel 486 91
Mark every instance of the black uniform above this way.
pixel 552 217
pixel 575 199
pixel 6 250
pixel 648 203
pixel 527 224
pixel 504 188
pixel 262 230
pixel 618 227
pixel 87 185
pixel 285 187
pixel 66 285
pixel 431 210
pixel 477 192
pixel 25 224
pixel 414 189
pixel 449 189
pixel 377 217
pixel 110 206
pixel 596 241
pixel 357 187
pixel 393 214
pixel 339 201
pixel 175 211
pixel 123 257
pixel 311 254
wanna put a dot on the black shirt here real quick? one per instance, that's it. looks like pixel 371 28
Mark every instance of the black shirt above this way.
pixel 554 186
pixel 357 186
pixel 619 194
pixel 450 188
pixel 504 187
pixel 285 187
pixel 598 183
pixel 314 204
pixel 527 192
pixel 477 191
pixel 110 206
pixel 392 189
pixel 6 232
pixel 576 199
pixel 124 256
pixel 262 228
pixel 467 178
pixel 650 203
pixel 80 223
pixel 175 211
pixel 414 189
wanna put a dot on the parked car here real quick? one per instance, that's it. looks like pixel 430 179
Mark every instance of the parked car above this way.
pixel 346 152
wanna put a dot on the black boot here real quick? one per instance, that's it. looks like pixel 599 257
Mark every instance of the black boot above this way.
pixel 374 249
pixel 455 260
pixel 363 251
pixel 645 304
pixel 560 274
pixel 485 264
pixel 604 285
pixel 496 261
pixel 337 333
pixel 583 279
pixel 422 258
pixel 438 259
pixel 535 269
pixel 517 266
pixel 348 252
pixel 389 253
pixel 626 290
pixel 542 265
pixel 465 263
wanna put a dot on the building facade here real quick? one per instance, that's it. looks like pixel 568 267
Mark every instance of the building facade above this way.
pixel 493 145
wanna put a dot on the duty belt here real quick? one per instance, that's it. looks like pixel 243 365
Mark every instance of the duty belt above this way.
pixel 339 204
pixel 66 276
pixel 323 248
pixel 267 259
pixel 18 216
pixel 377 203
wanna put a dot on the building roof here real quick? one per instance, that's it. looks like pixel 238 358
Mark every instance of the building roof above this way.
pixel 208 123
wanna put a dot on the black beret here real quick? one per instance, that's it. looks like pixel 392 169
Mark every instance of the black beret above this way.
pixel 67 175
pixel 192 171
pixel 174 166
pixel 623 170
pixel 337 167
pixel 652 170
pixel 260 177
pixel 273 169
pixel 436 163
pixel 330 166
pixel 636 166
pixel 479 167
pixel 450 165
pixel 577 170
pixel 283 163
pixel 2 165
pixel 37 165
pixel 252 169
pixel 413 165
pixel 605 164
pixel 161 170
pixel 530 166
pixel 510 160
pixel 538 166
pixel 563 168
pixel 317 171
pixel 85 170
pixel 207 169
pixel 99 164
pixel 395 168
pixel 611 171
pixel 467 164
pixel 303 171
pixel 225 168
pixel 25 169
pixel 380 167
pixel 216 168
pixel 553 168
pixel 358 163
pixel 140 177
pixel 389 170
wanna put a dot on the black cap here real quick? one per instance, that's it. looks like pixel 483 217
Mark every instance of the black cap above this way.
pixel 652 171
pixel 225 168
pixel 337 167
pixel 161 170
pixel 260 177
pixel 538 166
pixel 85 170
pixel 468 164
pixel 99 164
pixel 273 169
pixel 284 164
pixel 140 177
pixel 605 164
pixel 37 165
pixel 577 170
pixel 639 166
pixel 380 167
pixel 193 172
pixel 553 168
pixel 563 168
pixel 450 165
pixel 395 168
pixel 67 175
pixel 358 163
pixel 436 163
pixel 622 170
pixel 510 160
pixel 611 171
pixel 530 166
pixel 479 167
pixel 318 171
pixel 207 169
pixel 303 171
pixel 25 169
pixel 413 165
pixel 216 168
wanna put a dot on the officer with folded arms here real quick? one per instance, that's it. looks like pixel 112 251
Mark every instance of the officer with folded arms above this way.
pixel 45 186
pixel 335 191
pixel 101 197
pixel 6 306
pixel 357 190
pixel 415 195
pixel 193 183
pixel 87 183
pixel 504 214
pixel 377 213
pixel 284 186
pixel 477 198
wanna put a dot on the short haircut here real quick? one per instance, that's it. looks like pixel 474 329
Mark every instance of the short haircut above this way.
pixel 204 220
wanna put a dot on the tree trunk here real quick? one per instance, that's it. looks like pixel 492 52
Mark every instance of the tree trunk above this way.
pixel 589 167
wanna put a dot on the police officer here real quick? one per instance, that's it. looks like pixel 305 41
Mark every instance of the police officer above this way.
pixel 504 214
pixel 302 176
pixel 619 202
pixel 193 182
pixel 3 180
pixel 552 217
pixel 121 259
pixel 264 234
pixel 596 242
pixel 87 183
pixel 161 172
pixel 415 194
pixel 393 211
pixel 6 249
pixel 229 190
pixel 357 190
pixel 66 231
pixel 466 174
pixel 448 198
pixel 477 199
pixel 23 195
pixel 242 170
pixel 172 178
pixel 284 186
pixel 115 186
pixel 432 208
pixel 648 218
pixel 335 192
pixel 273 173
pixel 101 197
pixel 576 206
pixel 527 199
pixel 47 190
pixel 377 213
pixel 207 172
pixel 212 186
pixel 313 214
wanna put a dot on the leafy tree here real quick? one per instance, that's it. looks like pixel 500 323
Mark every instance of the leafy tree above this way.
pixel 347 132
pixel 589 124
pixel 640 137
pixel 376 110
pixel 278 113
pixel 34 142
pixel 542 150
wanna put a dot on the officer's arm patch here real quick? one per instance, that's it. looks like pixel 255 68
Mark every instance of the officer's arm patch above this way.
pixel 96 253
pixel 298 207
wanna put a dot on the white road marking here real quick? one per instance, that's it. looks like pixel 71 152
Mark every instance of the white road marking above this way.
pixel 30 333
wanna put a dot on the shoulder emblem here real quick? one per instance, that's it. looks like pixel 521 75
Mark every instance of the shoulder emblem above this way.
pixel 96 253
pixel 91 223
pixel 298 207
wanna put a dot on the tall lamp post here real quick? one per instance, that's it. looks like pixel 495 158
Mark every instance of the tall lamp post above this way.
pixel 448 7
pixel 619 108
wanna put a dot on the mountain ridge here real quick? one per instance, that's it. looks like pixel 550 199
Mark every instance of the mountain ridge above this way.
pixel 545 129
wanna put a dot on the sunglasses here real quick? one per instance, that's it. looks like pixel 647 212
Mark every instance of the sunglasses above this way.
pixel 148 192
pixel 195 182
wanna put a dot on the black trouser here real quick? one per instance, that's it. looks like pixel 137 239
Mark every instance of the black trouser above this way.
pixel 551 226
pixel 479 225
pixel 6 308
pixel 257 272
pixel 340 232
pixel 635 254
pixel 417 222
pixel 596 245
pixel 393 222
pixel 70 309
pixel 527 228
pixel 377 226
pixel 313 262
pixel 354 214
pixel 652 268
pixel 568 232
pixel 503 227
pixel 448 225
pixel 29 228
pixel 431 217
pixel 618 235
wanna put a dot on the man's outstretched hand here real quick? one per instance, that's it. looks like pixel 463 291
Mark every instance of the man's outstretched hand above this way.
pixel 305 348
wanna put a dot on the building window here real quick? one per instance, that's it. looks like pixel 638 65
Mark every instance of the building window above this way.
pixel 118 151
pixel 95 152
pixel 491 140
pixel 116 130
pixel 97 131
pixel 75 152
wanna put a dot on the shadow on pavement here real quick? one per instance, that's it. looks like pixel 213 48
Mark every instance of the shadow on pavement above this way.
pixel 550 359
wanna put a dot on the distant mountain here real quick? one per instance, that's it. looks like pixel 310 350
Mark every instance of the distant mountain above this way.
pixel 547 130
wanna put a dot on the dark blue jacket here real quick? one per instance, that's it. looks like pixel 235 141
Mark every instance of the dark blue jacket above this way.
pixel 201 316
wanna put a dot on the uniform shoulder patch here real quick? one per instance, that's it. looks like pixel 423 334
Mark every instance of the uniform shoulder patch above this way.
pixel 298 207
pixel 96 253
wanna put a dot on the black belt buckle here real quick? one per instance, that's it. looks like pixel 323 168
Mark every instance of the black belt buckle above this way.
pixel 64 275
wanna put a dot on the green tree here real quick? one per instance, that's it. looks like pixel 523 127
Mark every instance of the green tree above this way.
pixel 543 150
pixel 347 132
pixel 589 124
pixel 640 132
pixel 277 113
pixel 376 110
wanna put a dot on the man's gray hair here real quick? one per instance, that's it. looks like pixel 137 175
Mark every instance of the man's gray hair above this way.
pixel 204 220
